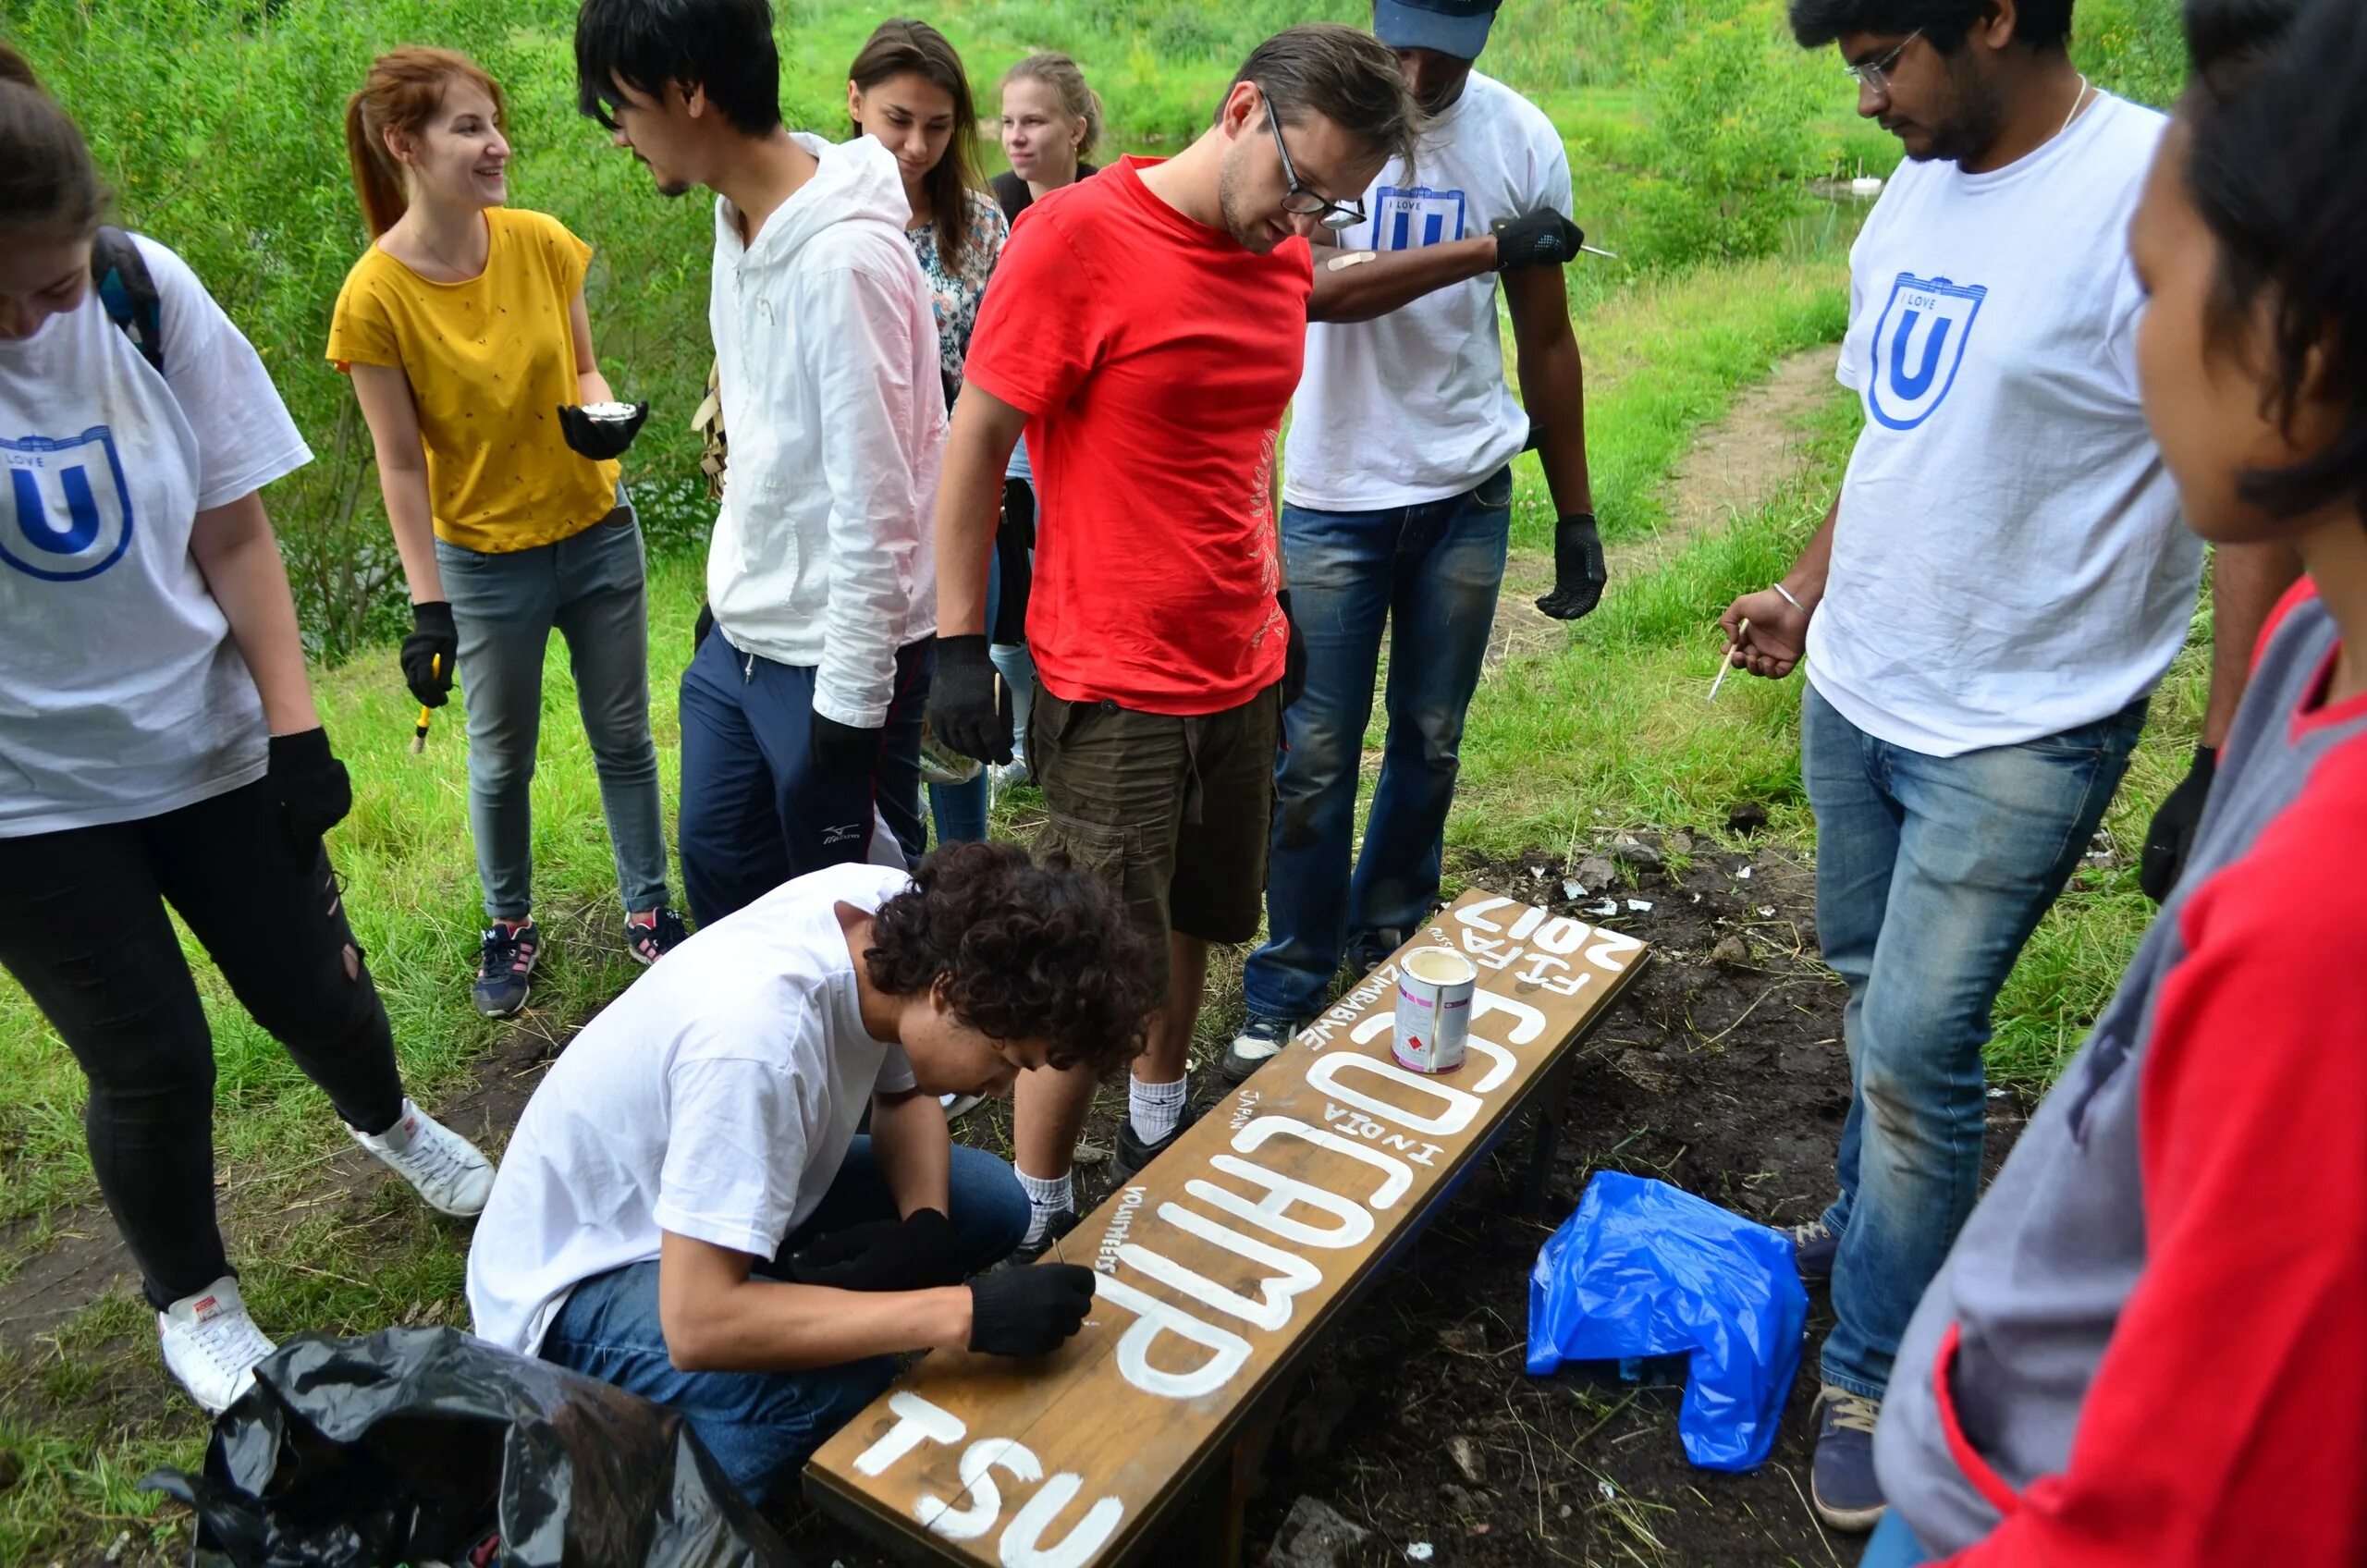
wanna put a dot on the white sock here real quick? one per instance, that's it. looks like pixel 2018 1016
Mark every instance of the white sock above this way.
pixel 1154 1108
pixel 1047 1196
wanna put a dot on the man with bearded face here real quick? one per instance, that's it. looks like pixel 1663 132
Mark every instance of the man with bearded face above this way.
pixel 1998 588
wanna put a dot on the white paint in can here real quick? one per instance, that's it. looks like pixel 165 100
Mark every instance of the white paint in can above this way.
pixel 1434 986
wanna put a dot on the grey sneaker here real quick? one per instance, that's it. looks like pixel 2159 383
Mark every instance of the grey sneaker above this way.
pixel 1260 1040
pixel 1842 1481
pixel 1813 1249
pixel 505 966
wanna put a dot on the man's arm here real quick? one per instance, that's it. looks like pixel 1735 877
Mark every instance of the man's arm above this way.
pixel 915 1155
pixel 718 1318
pixel 969 505
pixel 1778 636
pixel 2246 582
pixel 1553 382
pixel 1361 285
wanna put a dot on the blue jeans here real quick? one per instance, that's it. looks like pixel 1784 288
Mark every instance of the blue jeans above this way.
pixel 1893 1545
pixel 757 807
pixel 761 1427
pixel 1429 574
pixel 1931 873
pixel 592 588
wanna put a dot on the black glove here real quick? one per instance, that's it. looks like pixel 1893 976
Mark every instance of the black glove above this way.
pixel 313 788
pixel 1542 239
pixel 600 439
pixel 1029 1311
pixel 1579 573
pixel 706 625
pixel 432 637
pixel 2172 832
pixel 969 708
pixel 1294 655
pixel 911 1253
pixel 842 748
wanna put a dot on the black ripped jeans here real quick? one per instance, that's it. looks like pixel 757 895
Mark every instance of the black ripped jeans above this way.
pixel 83 930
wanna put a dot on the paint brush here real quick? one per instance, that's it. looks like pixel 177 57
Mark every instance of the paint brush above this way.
pixel 419 730
pixel 1727 662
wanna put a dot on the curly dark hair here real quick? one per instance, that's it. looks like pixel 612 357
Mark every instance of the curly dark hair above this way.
pixel 1027 951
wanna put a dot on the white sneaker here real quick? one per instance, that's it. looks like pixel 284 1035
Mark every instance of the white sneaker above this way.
pixel 211 1345
pixel 446 1167
pixel 959 1105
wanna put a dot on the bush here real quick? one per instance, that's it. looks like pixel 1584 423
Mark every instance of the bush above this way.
pixel 2136 48
pixel 1730 106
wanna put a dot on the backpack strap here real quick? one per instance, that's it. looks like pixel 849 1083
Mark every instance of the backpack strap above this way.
pixel 120 274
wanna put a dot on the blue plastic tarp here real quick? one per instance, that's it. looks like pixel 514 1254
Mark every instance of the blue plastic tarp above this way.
pixel 1644 1269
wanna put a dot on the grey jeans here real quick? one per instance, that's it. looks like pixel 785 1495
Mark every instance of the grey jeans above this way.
pixel 591 586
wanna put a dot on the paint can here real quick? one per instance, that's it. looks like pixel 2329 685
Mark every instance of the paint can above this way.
pixel 1434 986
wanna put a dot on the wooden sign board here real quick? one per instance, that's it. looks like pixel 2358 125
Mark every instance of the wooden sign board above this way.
pixel 1219 1264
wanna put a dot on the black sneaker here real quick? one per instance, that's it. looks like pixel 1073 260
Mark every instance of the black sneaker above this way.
pixel 662 934
pixel 1028 1252
pixel 1813 1250
pixel 1134 1154
pixel 1260 1040
pixel 504 963
pixel 1842 1481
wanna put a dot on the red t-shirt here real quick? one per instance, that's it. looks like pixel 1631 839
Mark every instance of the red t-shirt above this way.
pixel 1154 358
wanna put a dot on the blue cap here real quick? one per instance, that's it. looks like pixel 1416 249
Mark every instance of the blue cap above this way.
pixel 1452 27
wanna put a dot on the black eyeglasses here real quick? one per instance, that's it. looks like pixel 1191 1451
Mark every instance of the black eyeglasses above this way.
pixel 1300 200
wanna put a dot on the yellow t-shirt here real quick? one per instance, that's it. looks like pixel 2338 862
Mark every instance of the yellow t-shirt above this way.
pixel 491 361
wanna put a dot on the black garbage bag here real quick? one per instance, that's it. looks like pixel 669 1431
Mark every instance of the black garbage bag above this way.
pixel 413 1445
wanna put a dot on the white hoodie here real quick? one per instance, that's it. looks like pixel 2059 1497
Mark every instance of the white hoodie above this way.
pixel 827 361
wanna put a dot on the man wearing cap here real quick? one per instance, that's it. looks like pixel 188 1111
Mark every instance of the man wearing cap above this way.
pixel 1397 497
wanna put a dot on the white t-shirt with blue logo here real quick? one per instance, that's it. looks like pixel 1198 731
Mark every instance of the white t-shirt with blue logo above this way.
pixel 1413 407
pixel 2008 561
pixel 121 693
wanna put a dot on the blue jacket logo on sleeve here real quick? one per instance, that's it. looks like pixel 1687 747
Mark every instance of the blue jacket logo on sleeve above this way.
pixel 1406 217
pixel 67 515
pixel 1918 347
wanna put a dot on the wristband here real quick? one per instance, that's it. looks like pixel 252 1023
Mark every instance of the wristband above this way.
pixel 1789 600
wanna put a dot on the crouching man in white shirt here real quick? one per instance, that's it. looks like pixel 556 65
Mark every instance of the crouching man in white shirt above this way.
pixel 687 1210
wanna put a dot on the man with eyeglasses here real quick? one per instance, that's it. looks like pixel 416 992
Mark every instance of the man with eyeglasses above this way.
pixel 1397 502
pixel 1145 329
pixel 1999 586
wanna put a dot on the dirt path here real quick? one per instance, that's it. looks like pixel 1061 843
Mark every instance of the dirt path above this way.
pixel 1734 466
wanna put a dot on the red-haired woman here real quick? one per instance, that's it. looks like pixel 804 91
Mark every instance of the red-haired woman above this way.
pixel 158 741
pixel 464 328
